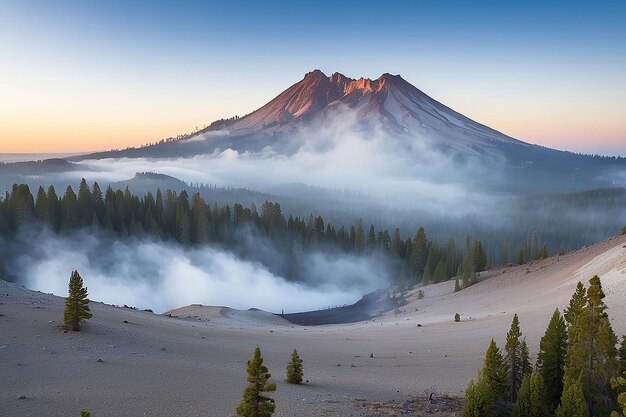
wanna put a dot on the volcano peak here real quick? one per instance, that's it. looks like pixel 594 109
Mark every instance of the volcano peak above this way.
pixel 389 101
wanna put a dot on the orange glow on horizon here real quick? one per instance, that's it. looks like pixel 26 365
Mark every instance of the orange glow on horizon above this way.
pixel 57 136
pixel 93 131
pixel 75 139
pixel 83 138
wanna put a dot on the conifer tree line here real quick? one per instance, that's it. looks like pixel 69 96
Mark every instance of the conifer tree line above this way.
pixel 577 372
pixel 557 217
pixel 192 221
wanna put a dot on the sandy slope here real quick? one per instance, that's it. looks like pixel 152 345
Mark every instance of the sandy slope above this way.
pixel 157 365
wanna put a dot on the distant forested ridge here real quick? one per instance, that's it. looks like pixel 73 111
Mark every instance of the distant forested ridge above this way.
pixel 412 256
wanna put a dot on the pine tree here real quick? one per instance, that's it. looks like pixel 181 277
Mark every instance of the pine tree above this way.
pixel 479 399
pixel 254 403
pixel 184 229
pixel 451 259
pixel 513 358
pixel 84 204
pixel 440 271
pixel 467 270
pixel 530 398
pixel 527 368
pixel 294 369
pixel 397 245
pixel 551 358
pixel 158 206
pixel 429 267
pixel 76 303
pixel 85 413
pixel 480 259
pixel 419 255
pixel 98 202
pixel 69 205
pixel 41 205
pixel 576 305
pixel 495 371
pixel 573 402
pixel 592 354
pixel 182 219
pixel 54 209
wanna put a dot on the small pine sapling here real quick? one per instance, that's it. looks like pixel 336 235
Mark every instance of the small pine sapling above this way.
pixel 294 369
pixel 76 303
pixel 254 403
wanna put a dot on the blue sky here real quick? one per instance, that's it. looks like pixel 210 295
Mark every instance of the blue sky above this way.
pixel 81 75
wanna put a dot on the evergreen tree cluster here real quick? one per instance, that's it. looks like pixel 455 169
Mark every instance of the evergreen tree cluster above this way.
pixel 576 373
pixel 528 228
pixel 192 221
pixel 186 217
pixel 592 353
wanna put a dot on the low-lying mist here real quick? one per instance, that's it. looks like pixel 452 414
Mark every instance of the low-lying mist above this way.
pixel 161 276
pixel 398 171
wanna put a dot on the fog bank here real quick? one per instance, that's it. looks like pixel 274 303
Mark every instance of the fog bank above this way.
pixel 161 276
pixel 400 171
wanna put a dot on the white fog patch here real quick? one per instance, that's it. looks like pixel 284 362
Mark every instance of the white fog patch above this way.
pixel 162 276
pixel 401 172
pixel 208 135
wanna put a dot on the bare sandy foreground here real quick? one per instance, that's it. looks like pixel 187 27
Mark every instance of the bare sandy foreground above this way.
pixel 129 362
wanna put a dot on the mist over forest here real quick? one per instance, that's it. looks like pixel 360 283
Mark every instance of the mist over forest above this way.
pixel 333 211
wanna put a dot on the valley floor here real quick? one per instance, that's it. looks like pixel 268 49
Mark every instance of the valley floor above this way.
pixel 129 362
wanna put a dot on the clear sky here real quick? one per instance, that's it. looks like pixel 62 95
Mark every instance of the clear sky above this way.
pixel 87 75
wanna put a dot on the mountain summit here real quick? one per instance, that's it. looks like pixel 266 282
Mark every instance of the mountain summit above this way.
pixel 389 101
pixel 417 124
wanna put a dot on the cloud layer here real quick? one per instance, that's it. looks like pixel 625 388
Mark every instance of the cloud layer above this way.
pixel 161 276
pixel 399 171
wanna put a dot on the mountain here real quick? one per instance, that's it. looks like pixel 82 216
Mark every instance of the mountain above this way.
pixel 412 122
pixel 41 167
pixel 143 182
pixel 390 101
pixel 34 171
